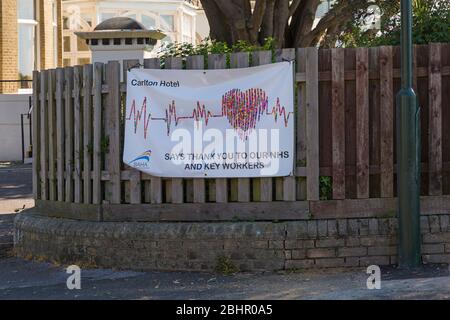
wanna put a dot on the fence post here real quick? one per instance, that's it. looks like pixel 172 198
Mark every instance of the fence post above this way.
pixel 87 133
pixel 362 123
pixel 44 136
pixel 112 131
pixel 435 120
pixel 60 125
pixel 52 134
pixel 97 135
pixel 312 123
pixel 36 145
pixel 78 133
pixel 386 123
pixel 68 104
pixel 338 122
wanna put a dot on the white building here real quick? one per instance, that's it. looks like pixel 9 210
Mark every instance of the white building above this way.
pixel 178 19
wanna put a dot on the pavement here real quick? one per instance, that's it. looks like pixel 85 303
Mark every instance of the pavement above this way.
pixel 15 187
pixel 15 195
pixel 21 279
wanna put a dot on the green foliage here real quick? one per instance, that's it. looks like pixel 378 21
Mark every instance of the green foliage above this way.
pixel 208 46
pixel 325 188
pixel 431 23
pixel 225 266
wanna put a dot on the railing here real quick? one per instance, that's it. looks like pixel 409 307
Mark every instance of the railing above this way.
pixel 345 141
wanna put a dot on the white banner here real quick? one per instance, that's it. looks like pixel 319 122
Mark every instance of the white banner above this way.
pixel 231 123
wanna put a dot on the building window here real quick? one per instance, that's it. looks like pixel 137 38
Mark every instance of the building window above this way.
pixel 67 44
pixel 26 34
pixel 167 22
pixel 106 15
pixel 148 22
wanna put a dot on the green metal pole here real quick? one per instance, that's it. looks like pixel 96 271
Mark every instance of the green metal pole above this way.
pixel 408 152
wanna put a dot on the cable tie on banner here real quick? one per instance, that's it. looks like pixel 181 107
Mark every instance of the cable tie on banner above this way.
pixel 137 65
pixel 287 60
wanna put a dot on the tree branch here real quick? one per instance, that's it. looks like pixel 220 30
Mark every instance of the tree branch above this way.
pixel 341 12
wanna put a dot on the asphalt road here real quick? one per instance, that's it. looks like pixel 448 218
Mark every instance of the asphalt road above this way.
pixel 21 279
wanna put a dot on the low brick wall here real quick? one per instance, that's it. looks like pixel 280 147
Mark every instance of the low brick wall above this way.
pixel 6 234
pixel 247 245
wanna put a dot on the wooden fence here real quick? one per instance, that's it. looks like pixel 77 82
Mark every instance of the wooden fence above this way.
pixel 345 135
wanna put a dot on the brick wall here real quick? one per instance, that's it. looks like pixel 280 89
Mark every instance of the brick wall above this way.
pixel 247 245
pixel 46 38
pixel 9 40
pixel 8 45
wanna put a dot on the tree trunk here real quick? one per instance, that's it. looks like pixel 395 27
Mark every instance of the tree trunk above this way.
pixel 289 22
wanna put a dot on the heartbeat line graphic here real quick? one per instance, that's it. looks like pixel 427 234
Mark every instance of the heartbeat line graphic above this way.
pixel 242 109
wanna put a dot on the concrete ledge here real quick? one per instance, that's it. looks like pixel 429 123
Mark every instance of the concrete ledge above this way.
pixel 245 246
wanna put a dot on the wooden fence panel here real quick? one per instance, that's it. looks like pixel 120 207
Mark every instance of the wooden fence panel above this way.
pixel 87 132
pixel 435 120
pixel 153 190
pixel 386 123
pixel 362 123
pixel 69 127
pixel 176 184
pixel 344 118
pixel 112 132
pixel 338 123
pixel 97 134
pixel 60 131
pixel 218 190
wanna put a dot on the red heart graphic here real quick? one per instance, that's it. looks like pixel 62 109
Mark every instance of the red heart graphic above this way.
pixel 244 109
